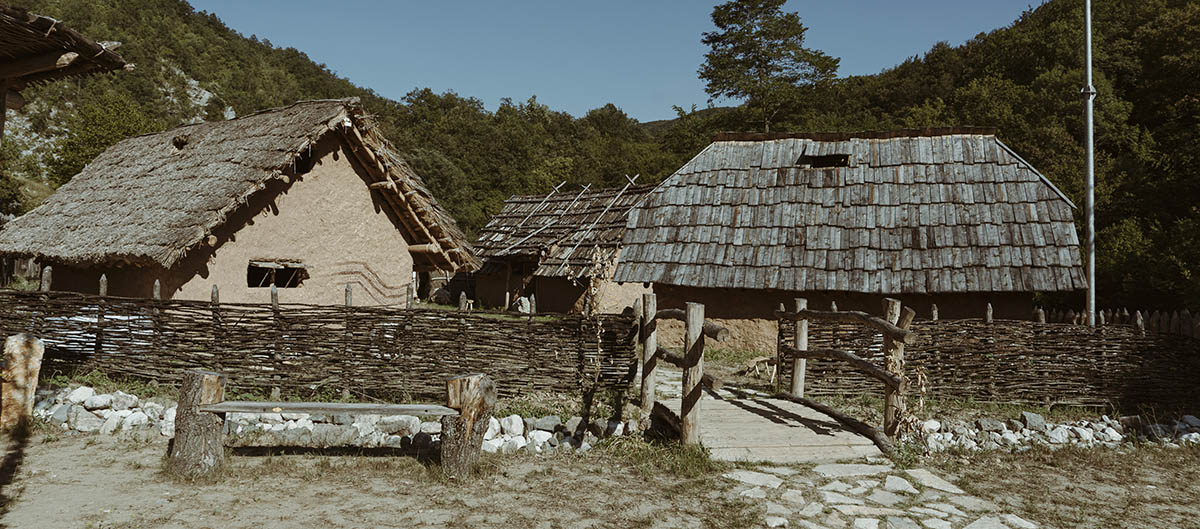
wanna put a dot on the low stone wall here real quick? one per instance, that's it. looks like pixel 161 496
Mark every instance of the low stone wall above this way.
pixel 1031 430
pixel 1018 362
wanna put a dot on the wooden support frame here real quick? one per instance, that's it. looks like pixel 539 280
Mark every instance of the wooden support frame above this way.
pixel 649 334
pixel 852 316
pixel 799 362
pixel 711 330
pixel 689 413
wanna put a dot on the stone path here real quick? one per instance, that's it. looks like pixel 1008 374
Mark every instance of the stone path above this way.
pixel 870 495
pixel 745 425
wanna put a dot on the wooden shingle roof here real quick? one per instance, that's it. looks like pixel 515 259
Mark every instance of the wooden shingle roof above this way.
pixel 947 212
pixel 565 233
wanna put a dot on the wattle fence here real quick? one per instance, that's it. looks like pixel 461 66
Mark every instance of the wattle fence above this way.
pixel 1011 361
pixel 380 352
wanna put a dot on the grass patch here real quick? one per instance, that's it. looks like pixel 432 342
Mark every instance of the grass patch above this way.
pixel 653 458
pixel 104 383
pixel 732 358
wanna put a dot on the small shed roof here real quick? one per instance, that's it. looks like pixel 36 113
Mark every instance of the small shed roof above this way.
pixel 565 233
pixel 910 212
pixel 150 199
pixel 35 49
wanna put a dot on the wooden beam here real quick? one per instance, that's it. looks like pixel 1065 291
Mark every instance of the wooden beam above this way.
pixel 649 336
pixel 432 247
pixel 689 412
pixel 853 316
pixel 706 379
pixel 386 185
pixel 711 329
pixel 858 362
pixel 55 60
pixel 352 408
pixel 863 428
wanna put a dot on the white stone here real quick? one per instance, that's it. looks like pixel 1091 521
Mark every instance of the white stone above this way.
pixel 860 510
pixel 512 444
pixel 811 510
pixel 299 416
pixel 792 496
pixel 1084 434
pixel 1190 438
pixel 898 484
pixel 491 446
pixel 886 498
pixel 947 508
pixel 1112 435
pixel 513 425
pixel 537 438
pixel 934 523
pixel 1191 420
pixel 402 425
pixel 431 427
pixel 776 521
pixel 493 429
pixel 755 492
pixel 987 522
pixel 751 477
pixel 80 394
pixel 971 503
pixel 305 423
pixel 167 425
pixel 897 522
pixel 84 421
pixel 866 523
pixel 1059 435
pixel 931 426
pixel 1016 522
pixel 271 418
pixel 1010 438
pixel 110 425
pixel 122 413
pixel 838 470
pixel 134 420
pixel 928 512
pixel 829 496
pixel 928 479
pixel 96 402
pixel 777 509
pixel 836 486
pixel 867 483
pixel 123 401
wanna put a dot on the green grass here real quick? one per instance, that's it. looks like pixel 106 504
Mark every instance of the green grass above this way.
pixel 735 358
pixel 654 458
pixel 104 383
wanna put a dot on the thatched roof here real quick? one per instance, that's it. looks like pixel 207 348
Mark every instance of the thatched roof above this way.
pixel 564 233
pixel 152 198
pixel 935 211
pixel 35 49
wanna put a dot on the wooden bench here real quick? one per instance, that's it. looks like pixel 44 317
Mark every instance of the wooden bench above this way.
pixel 199 446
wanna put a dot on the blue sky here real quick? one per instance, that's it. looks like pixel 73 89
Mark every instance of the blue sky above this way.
pixel 639 55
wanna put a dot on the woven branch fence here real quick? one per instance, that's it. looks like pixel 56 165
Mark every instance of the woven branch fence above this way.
pixel 381 352
pixel 1021 362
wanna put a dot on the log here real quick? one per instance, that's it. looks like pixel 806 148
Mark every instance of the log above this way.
pixel 649 335
pixel 863 428
pixel 199 444
pixel 689 412
pixel 426 248
pixel 800 363
pixel 23 364
pixel 893 409
pixel 386 185
pixel 852 316
pixel 54 60
pixel 474 396
pixel 860 363
pixel 711 329
pixel 891 310
pixel 1040 315
pixel 706 379
pixel 47 278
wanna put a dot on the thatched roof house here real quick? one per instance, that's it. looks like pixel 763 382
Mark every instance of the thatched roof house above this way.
pixel 948 216
pixel 553 245
pixel 311 188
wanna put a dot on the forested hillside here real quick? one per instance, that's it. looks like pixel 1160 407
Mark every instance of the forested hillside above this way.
pixel 1023 79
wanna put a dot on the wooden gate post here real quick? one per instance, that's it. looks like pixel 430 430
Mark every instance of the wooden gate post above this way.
pixel 649 333
pixel 689 413
pixel 23 364
pixel 474 396
pixel 893 407
pixel 103 291
pixel 800 365
pixel 199 445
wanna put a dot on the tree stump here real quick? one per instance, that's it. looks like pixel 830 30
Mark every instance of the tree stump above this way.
pixel 199 446
pixel 473 396
pixel 23 357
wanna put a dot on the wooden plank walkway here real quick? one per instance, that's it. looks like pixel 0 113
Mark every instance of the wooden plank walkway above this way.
pixel 742 426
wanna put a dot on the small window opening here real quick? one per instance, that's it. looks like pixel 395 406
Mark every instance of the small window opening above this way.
pixel 281 273
pixel 825 160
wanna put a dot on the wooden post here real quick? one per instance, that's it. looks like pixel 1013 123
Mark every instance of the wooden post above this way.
pixel 933 312
pixel 47 278
pixel 462 301
pixel 780 342
pixel 103 291
pixel 349 295
pixel 800 365
pixel 1100 318
pixel 1173 323
pixel 23 364
pixel 1139 322
pixel 532 304
pixel 1040 315
pixel 277 342
pixel 1070 316
pixel 215 307
pixel 199 445
pixel 412 293
pixel 689 413
pixel 891 310
pixel 893 408
pixel 987 314
pixel 474 396
pixel 649 334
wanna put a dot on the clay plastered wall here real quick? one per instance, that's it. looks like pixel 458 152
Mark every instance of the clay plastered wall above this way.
pixel 331 221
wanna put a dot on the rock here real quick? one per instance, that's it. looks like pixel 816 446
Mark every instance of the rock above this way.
pixel 934 523
pixel 885 498
pixel 572 425
pixel 898 484
pixel 134 420
pixel 402 425
pixel 896 522
pixel 513 425
pixel 1191 420
pixel 492 446
pixel 512 444
pixel 751 477
pixel 1010 438
pixel 792 496
pixel 80 394
pixel 82 420
pixel 167 425
pixel 110 425
pixel 777 509
pixel 860 510
pixel 989 425
pixel 124 401
pixel 537 438
pixel 548 423
pixel 811 510
pixel 757 493
pixel 928 479
pixel 493 429
pixel 776 521
pixel 837 470
pixel 274 418
pixel 1085 434
pixel 305 416
pixel 931 426
pixel 422 441
pixel 1033 421
pixel 829 496
pixel 96 402
pixel 614 429
pixel 866 523
pixel 153 410
pixel 528 422
pixel 927 512
pixel 58 413
pixel 326 435
pixel 1160 432
pixel 947 508
pixel 631 427
pixel 836 486
pixel 1190 438
pixel 1059 435
pixel 971 503
pixel 431 427
pixel 1017 522
pixel 987 522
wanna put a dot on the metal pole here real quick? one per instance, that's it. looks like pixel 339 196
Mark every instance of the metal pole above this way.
pixel 1089 94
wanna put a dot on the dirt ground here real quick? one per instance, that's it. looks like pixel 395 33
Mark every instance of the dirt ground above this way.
pixel 98 482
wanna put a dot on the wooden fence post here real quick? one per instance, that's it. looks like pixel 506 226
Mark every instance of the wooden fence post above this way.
pixel 649 332
pixel 891 310
pixel 277 343
pixel 103 291
pixel 1100 318
pixel 800 365
pixel 893 408
pixel 1139 322
pixel 933 312
pixel 474 396
pixel 987 313
pixel 689 413
pixel 23 364
pixel 349 295
pixel 411 293
pixel 462 301
pixel 47 278
pixel 532 304
pixel 215 308
pixel 199 445
pixel 1040 315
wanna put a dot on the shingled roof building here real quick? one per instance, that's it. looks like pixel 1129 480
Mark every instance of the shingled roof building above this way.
pixel 553 245
pixel 308 197
pixel 952 217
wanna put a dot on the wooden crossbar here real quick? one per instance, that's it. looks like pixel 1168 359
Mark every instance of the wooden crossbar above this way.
pixel 852 316
pixel 353 408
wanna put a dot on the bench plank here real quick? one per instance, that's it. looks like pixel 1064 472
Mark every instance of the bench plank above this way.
pixel 356 408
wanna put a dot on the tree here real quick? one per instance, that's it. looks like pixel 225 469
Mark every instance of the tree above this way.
pixel 96 125
pixel 759 56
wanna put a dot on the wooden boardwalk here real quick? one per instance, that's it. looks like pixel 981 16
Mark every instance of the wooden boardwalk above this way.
pixel 743 426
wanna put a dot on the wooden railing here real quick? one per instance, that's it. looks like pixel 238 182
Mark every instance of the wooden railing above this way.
pixel 894 328
pixel 696 330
